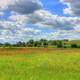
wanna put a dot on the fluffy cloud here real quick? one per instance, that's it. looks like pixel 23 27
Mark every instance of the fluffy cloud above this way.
pixel 22 27
pixel 73 6
pixel 12 32
pixel 4 4
pixel 45 19
pixel 21 6
pixel 68 11
pixel 29 21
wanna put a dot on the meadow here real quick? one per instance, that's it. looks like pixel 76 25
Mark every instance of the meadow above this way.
pixel 39 64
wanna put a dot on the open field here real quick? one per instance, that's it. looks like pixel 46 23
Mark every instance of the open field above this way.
pixel 39 64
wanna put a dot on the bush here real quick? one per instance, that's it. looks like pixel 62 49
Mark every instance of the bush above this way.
pixel 74 46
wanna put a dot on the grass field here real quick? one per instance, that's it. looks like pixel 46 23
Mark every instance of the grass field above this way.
pixel 39 64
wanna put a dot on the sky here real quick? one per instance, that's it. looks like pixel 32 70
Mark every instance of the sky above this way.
pixel 22 20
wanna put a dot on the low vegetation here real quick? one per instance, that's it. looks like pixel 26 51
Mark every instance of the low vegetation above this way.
pixel 39 64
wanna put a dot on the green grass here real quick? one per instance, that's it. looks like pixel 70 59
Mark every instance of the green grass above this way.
pixel 77 42
pixel 51 65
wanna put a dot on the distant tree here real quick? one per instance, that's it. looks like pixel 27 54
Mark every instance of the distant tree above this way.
pixel 54 42
pixel 7 44
pixel 30 43
pixel 59 44
pixel 20 44
pixel 1 45
pixel 74 46
pixel 37 44
pixel 44 43
pixel 66 40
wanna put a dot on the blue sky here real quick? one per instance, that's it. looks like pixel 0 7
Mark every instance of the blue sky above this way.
pixel 54 6
pixel 22 20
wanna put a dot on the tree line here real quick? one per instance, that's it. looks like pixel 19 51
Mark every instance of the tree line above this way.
pixel 42 43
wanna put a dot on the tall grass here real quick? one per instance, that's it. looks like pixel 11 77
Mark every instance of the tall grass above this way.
pixel 43 65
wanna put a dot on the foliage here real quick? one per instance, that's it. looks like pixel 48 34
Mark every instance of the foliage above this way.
pixel 45 43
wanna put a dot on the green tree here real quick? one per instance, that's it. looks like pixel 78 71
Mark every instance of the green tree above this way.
pixel 30 43
pixel 59 44
pixel 74 46
pixel 6 44
pixel 20 44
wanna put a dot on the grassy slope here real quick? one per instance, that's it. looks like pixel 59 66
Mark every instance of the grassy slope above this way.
pixel 73 42
pixel 46 65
